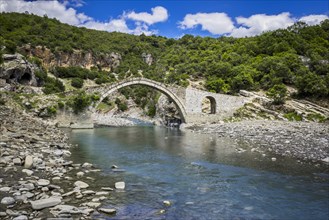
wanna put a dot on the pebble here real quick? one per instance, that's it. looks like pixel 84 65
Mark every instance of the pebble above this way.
pixel 107 211
pixel 17 161
pixel 167 203
pixel 273 159
pixel 81 185
pixel 107 188
pixel 120 185
pixel 43 182
pixel 28 172
pixel 80 174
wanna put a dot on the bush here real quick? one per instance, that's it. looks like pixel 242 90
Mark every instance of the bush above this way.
pixel 278 93
pixel 80 102
pixel 122 106
pixel 53 86
pixel 77 82
pixel 51 110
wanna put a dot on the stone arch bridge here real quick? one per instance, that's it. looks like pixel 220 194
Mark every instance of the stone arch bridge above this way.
pixel 187 100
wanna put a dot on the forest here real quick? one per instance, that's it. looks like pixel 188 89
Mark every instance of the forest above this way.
pixel 297 56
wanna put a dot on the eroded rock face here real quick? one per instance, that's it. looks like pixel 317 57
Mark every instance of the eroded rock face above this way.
pixel 147 58
pixel 107 61
pixel 16 69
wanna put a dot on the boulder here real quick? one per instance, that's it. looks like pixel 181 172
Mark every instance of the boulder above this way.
pixel 45 203
pixel 17 161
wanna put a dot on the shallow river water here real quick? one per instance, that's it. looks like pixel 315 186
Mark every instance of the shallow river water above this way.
pixel 203 176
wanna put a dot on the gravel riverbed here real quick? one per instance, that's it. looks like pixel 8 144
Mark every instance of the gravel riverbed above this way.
pixel 301 140
pixel 37 179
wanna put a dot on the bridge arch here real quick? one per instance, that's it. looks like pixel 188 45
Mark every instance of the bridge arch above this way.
pixel 108 89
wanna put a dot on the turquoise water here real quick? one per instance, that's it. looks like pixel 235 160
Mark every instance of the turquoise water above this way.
pixel 201 175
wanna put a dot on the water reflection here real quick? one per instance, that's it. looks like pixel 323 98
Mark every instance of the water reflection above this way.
pixel 202 175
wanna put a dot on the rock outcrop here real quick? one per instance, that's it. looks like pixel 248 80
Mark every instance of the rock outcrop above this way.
pixel 147 58
pixel 106 61
pixel 16 69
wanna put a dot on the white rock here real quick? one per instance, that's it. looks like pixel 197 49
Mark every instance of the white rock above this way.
pixel 45 203
pixel 8 201
pixel 58 153
pixel 273 159
pixel 81 185
pixel 107 188
pixel 5 189
pixel 87 165
pixel 43 182
pixel 102 193
pixel 92 204
pixel 167 203
pixel 80 174
pixel 17 161
pixel 28 161
pixel 21 217
pixel 326 160
pixel 107 211
pixel 88 192
pixel 120 185
pixel 27 171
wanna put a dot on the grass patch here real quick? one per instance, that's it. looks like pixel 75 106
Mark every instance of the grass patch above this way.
pixel 293 116
pixel 316 117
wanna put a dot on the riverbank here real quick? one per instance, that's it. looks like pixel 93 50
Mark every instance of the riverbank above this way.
pixel 37 180
pixel 301 140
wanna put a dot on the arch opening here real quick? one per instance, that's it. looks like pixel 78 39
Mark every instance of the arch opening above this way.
pixel 209 105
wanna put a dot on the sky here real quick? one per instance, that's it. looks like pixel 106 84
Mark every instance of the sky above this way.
pixel 175 18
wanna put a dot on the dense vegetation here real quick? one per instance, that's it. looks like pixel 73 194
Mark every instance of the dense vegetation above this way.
pixel 297 56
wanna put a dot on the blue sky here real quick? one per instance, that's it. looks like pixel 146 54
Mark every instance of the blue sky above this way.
pixel 173 18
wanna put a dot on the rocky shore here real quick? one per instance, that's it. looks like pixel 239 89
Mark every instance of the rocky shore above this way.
pixel 301 140
pixel 37 180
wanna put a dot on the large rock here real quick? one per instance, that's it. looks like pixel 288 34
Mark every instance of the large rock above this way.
pixel 45 203
pixel 8 201
pixel 16 69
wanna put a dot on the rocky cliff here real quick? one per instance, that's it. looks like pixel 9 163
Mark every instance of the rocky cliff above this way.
pixel 106 61
pixel 16 69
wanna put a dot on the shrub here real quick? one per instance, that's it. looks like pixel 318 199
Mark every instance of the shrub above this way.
pixel 278 93
pixel 80 102
pixel 122 106
pixel 53 86
pixel 77 82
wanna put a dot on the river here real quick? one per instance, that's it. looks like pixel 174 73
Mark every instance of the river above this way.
pixel 203 176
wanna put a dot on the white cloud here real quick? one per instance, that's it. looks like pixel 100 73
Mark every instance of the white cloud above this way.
pixel 313 19
pixel 256 24
pixel 159 14
pixel 67 14
pixel 215 23
pixel 53 9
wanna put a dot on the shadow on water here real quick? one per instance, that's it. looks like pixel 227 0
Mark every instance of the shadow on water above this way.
pixel 202 175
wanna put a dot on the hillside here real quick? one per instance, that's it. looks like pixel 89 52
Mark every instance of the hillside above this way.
pixel 296 58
